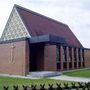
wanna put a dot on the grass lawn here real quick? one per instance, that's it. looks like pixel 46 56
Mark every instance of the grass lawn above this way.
pixel 79 73
pixel 18 81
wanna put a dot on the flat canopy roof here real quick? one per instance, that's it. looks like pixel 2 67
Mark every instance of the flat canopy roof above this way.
pixel 51 39
pixel 38 39
pixel 47 38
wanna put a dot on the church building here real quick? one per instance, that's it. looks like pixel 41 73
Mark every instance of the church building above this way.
pixel 33 42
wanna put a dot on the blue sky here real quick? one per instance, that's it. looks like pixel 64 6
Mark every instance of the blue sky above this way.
pixel 75 13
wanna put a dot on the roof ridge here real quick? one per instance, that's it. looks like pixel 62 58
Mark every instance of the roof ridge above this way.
pixel 36 13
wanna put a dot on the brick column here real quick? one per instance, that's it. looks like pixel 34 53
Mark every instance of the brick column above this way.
pixel 50 58
pixel 84 60
pixel 77 58
pixel 81 58
pixel 61 57
pixel 72 57
pixel 27 57
pixel 67 57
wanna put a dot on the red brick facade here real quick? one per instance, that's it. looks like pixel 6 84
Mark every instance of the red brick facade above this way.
pixel 15 58
pixel 87 58
pixel 15 62
pixel 50 58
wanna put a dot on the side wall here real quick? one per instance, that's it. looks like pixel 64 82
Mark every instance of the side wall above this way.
pixel 50 62
pixel 14 58
pixel 87 57
pixel 50 58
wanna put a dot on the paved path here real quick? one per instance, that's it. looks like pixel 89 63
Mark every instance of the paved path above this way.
pixel 18 76
pixel 69 78
pixel 61 77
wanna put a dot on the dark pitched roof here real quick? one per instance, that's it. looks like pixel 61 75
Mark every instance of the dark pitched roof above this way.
pixel 37 24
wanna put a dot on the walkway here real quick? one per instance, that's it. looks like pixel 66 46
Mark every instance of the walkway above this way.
pixel 69 78
pixel 60 77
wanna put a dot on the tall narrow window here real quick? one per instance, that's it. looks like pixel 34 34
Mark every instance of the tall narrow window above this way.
pixel 58 53
pixel 79 57
pixel 64 53
pixel 69 54
pixel 74 54
pixel 79 54
pixel 83 55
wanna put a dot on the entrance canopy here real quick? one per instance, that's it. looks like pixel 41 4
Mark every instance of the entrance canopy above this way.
pixel 47 39
pixel 39 39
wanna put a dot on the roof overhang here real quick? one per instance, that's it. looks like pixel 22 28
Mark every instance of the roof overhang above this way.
pixel 47 39
pixel 52 39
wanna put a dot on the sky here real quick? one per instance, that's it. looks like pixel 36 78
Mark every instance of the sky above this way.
pixel 74 13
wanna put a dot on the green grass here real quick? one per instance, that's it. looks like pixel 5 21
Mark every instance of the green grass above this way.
pixel 8 81
pixel 79 73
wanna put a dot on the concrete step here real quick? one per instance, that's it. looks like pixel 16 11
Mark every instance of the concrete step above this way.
pixel 43 74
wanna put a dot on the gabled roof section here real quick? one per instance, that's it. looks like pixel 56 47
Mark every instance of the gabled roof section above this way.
pixel 37 24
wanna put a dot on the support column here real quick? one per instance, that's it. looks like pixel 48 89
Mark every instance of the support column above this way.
pixel 72 57
pixel 27 56
pixel 61 57
pixel 50 58
pixel 81 58
pixel 67 57
pixel 77 58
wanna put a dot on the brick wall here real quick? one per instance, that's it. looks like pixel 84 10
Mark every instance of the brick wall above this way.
pixel 87 57
pixel 50 58
pixel 14 61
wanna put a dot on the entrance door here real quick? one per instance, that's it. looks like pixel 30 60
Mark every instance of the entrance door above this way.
pixel 36 57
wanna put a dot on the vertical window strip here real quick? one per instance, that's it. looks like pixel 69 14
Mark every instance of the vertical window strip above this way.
pixel 83 55
pixel 74 54
pixel 58 53
pixel 69 52
pixel 79 54
pixel 64 53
